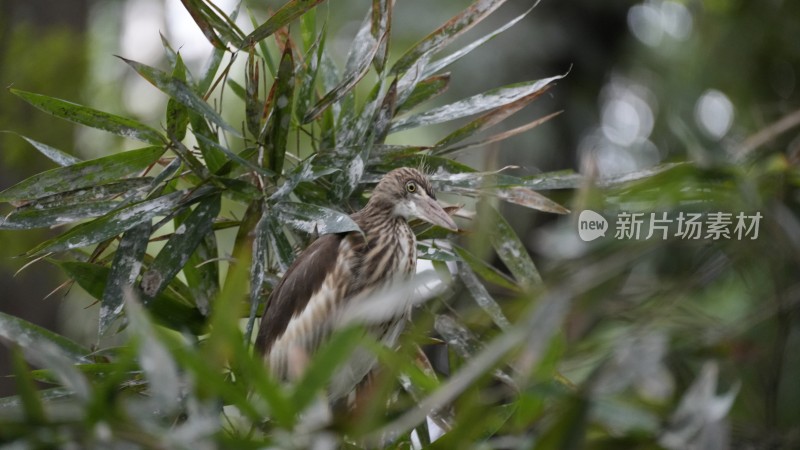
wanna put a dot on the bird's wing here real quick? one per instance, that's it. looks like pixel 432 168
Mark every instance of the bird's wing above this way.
pixel 301 282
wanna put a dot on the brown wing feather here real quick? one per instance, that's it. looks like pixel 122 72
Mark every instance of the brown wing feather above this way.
pixel 292 293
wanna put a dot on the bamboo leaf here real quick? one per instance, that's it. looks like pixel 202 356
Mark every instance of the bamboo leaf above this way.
pixel 83 174
pixel 482 296
pixel 28 395
pixel 314 219
pixel 288 12
pixel 53 154
pixel 440 64
pixel 194 8
pixel 166 308
pixel 486 271
pixel 180 246
pixel 57 215
pixel 425 90
pixel 489 119
pixel 181 92
pixel 177 113
pixel 510 249
pixel 475 104
pixel 281 119
pixel 91 117
pixel 445 34
pixel 112 224
pixel 30 337
pixel 497 137
pixel 362 52
pixel 123 274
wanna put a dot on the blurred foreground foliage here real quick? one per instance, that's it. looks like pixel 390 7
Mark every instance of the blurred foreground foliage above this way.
pixel 620 343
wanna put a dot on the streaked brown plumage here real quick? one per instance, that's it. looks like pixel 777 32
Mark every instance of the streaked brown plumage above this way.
pixel 339 270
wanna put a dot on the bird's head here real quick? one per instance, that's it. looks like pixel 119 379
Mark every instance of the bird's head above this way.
pixel 408 194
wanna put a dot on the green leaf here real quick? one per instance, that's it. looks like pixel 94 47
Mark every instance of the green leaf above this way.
pixel 425 90
pixel 510 249
pixel 453 28
pixel 179 247
pixel 202 272
pixel 53 154
pixel 362 52
pixel 484 270
pixel 288 12
pixel 213 146
pixel 28 395
pixel 181 92
pixel 475 104
pixel 208 141
pixel 487 120
pixel 497 137
pixel 57 215
pixel 123 274
pixel 112 224
pixel 482 297
pixel 91 117
pixel 303 172
pixel 314 219
pixel 30 337
pixel 166 308
pixel 83 174
pixel 177 113
pixel 281 119
pixel 440 64
pixel 324 363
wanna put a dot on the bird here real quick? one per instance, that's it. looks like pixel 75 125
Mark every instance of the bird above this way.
pixel 340 270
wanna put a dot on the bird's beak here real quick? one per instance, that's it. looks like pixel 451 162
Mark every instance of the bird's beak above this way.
pixel 429 210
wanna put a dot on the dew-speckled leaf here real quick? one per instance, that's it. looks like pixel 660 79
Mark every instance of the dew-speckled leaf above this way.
pixel 208 142
pixel 167 309
pixel 83 174
pixel 194 8
pixel 482 296
pixel 90 117
pixel 528 198
pixel 181 92
pixel 53 154
pixel 177 113
pixel 233 156
pixel 112 224
pixel 511 250
pixel 188 158
pixel 124 270
pixel 476 104
pixel 281 119
pixel 425 90
pixel 314 219
pixel 441 63
pixel 258 272
pixel 202 273
pixel 486 271
pixel 487 120
pixel 362 52
pixel 210 70
pixel 180 246
pixel 381 24
pixel 29 337
pixel 280 247
pixel 58 215
pixel 303 172
pixel 288 12
pixel 497 137
pixel 445 34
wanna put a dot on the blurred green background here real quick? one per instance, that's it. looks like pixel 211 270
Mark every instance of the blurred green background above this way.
pixel 649 82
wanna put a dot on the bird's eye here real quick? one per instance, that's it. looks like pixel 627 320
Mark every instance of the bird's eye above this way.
pixel 411 187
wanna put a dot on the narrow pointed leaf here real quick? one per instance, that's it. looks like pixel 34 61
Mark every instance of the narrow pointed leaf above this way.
pixel 381 30
pixel 177 113
pixel 510 250
pixel 447 33
pixel 489 119
pixel 83 174
pixel 475 104
pixel 303 172
pixel 440 64
pixel 202 22
pixel 486 271
pixel 112 224
pixel 53 154
pixel 281 119
pixel 28 395
pixel 482 296
pixel 181 92
pixel 166 308
pixel 360 57
pixel 180 246
pixel 123 274
pixel 57 215
pixel 315 219
pixel 202 273
pixel 208 142
pixel 288 12
pixel 528 198
pixel 234 157
pixel 425 90
pixel 497 137
pixel 30 337
pixel 91 117
pixel 210 71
